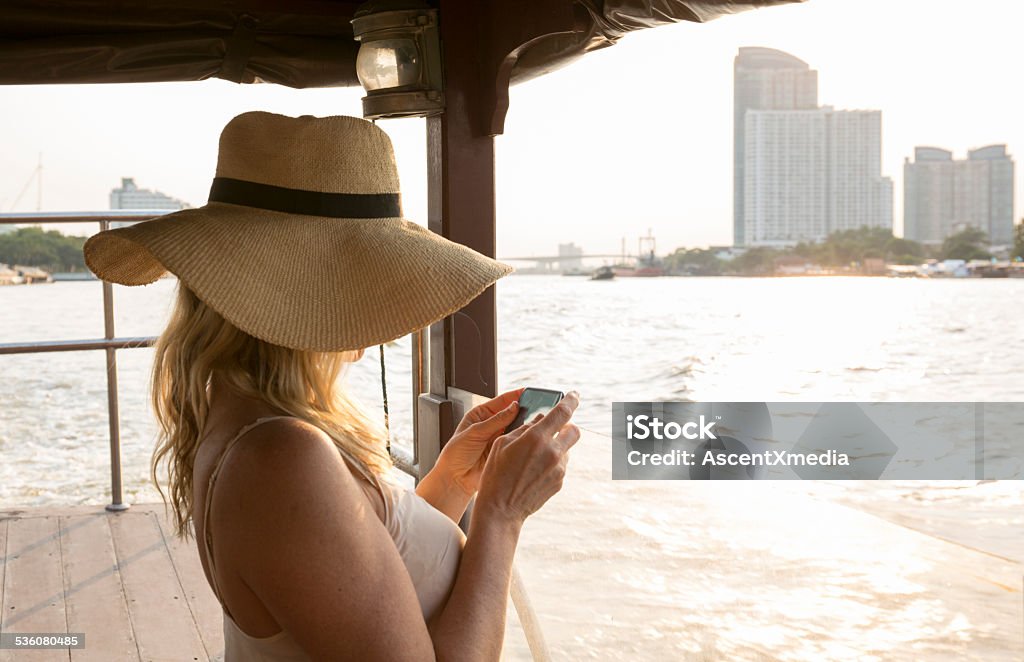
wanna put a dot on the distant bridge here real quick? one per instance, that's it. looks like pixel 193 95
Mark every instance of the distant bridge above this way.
pixel 551 259
pixel 551 262
pixel 560 258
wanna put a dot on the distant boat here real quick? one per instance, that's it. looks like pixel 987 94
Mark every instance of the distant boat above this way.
pixel 643 271
pixel 991 271
pixel 603 273
pixel 33 274
pixel 74 275
pixel 9 276
pixel 21 275
pixel 647 265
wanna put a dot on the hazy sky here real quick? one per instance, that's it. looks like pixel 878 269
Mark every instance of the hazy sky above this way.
pixel 634 136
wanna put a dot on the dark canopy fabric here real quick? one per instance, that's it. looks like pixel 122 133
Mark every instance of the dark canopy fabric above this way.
pixel 608 21
pixel 297 43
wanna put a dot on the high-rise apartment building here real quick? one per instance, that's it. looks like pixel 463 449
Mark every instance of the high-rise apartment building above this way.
pixel 808 173
pixel 943 195
pixel 764 79
pixel 858 194
pixel 130 196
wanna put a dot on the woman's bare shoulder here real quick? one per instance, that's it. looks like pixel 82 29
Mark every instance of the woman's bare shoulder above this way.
pixel 280 434
pixel 304 539
pixel 279 452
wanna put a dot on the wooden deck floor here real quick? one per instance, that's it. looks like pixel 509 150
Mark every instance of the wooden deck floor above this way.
pixel 123 579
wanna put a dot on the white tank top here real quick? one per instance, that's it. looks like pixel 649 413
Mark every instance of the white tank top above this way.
pixel 429 543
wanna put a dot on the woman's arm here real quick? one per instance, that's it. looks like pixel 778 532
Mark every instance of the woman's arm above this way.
pixel 525 468
pixel 471 626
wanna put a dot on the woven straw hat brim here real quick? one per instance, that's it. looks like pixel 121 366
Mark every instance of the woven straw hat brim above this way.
pixel 305 282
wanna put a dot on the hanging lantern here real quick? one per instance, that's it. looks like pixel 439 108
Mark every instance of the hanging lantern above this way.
pixel 399 59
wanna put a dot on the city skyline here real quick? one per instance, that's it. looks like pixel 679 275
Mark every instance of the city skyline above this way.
pixel 601 149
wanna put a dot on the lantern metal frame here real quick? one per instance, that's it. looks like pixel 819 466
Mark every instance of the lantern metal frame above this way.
pixel 380 20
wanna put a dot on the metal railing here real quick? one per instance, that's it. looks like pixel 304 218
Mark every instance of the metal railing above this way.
pixel 109 343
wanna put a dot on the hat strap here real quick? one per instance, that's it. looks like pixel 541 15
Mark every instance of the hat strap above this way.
pixel 384 391
pixel 305 203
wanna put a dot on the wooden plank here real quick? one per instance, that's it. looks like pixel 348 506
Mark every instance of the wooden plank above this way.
pixel 164 628
pixel 33 599
pixel 92 589
pixel 206 610
pixel 72 510
pixel 22 513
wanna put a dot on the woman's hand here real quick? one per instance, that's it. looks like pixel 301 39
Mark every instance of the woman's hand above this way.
pixel 526 466
pixel 463 458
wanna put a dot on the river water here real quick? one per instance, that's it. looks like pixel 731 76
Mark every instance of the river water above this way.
pixel 654 570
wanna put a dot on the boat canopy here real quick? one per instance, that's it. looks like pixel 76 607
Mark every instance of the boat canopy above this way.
pixel 296 43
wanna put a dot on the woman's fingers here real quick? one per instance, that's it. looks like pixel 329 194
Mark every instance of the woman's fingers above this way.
pixel 496 405
pixel 498 421
pixel 555 419
pixel 568 436
pixel 515 434
pixel 492 407
pixel 491 424
pixel 526 424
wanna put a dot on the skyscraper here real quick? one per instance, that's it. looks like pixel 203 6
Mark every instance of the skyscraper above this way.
pixel 943 195
pixel 764 79
pixel 808 173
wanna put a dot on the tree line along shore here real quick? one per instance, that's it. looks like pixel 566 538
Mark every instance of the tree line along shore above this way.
pixel 842 251
pixel 862 250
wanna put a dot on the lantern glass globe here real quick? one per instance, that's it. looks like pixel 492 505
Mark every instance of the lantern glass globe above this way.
pixel 388 63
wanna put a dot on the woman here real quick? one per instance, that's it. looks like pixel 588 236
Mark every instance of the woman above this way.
pixel 299 261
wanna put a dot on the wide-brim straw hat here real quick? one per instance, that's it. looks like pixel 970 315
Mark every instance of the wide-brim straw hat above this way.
pixel 303 243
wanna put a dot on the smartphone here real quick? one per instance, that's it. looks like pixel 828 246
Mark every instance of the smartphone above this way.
pixel 534 401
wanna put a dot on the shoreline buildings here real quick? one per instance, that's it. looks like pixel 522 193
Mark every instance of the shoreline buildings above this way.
pixel 943 195
pixel 130 196
pixel 800 171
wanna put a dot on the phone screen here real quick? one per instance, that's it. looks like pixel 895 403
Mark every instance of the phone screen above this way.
pixel 534 401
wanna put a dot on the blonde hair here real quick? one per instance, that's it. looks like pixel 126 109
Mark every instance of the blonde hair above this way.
pixel 199 342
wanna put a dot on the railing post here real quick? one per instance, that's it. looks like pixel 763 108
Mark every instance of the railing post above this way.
pixel 116 500
pixel 420 383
